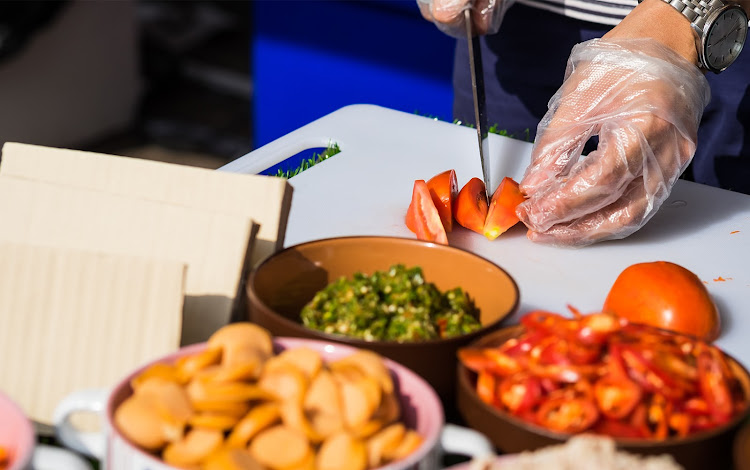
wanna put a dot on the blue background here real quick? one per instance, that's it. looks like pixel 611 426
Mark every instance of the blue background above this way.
pixel 312 57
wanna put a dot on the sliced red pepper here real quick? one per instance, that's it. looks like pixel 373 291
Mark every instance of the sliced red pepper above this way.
pixel 552 350
pixel 547 322
pixel 713 385
pixel 501 214
pixel 522 345
pixel 649 376
pixel 681 423
pixel 519 393
pixel 571 352
pixel 696 406
pixel 486 386
pixel 566 373
pixel 675 364
pixel 659 411
pixel 616 396
pixel 639 419
pixel 489 359
pixel 567 415
pixel 618 429
pixel 596 328
pixel 422 216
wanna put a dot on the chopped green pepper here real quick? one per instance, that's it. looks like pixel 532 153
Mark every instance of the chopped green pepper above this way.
pixel 394 305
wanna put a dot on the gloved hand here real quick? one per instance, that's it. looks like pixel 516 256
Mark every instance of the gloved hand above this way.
pixel 645 102
pixel 448 15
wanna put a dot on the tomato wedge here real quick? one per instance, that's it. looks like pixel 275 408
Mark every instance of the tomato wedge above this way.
pixel 471 206
pixel 444 189
pixel 569 415
pixel 422 217
pixel 501 214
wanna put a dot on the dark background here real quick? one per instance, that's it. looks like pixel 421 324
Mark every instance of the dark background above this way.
pixel 216 79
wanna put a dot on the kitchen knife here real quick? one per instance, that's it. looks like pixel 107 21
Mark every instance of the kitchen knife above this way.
pixel 480 110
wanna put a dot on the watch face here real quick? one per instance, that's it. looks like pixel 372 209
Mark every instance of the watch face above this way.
pixel 725 38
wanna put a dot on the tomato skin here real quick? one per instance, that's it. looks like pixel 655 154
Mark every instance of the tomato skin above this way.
pixel 567 415
pixel 501 213
pixel 665 295
pixel 444 189
pixel 422 217
pixel 471 207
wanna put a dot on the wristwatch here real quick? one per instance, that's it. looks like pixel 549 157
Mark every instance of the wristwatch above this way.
pixel 721 30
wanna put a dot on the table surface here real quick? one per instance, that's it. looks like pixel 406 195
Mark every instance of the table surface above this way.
pixel 366 189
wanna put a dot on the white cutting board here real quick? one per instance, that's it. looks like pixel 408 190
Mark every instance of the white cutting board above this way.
pixel 366 189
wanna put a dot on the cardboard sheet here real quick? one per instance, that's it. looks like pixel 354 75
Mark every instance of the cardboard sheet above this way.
pixel 215 246
pixel 74 319
pixel 265 199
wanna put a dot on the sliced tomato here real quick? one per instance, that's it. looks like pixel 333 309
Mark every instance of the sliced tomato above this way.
pixel 501 214
pixel 422 217
pixel 470 210
pixel 567 415
pixel 444 189
pixel 616 396
pixel 519 393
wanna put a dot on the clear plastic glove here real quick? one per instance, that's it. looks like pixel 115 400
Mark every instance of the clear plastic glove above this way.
pixel 448 15
pixel 644 102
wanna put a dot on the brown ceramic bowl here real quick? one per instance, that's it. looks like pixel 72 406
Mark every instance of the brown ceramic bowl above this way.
pixel 742 447
pixel 710 449
pixel 280 286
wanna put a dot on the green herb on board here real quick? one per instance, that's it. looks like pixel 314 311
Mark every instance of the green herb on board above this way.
pixel 331 150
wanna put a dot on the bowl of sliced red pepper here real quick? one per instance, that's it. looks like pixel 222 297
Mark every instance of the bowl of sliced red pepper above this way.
pixel 653 391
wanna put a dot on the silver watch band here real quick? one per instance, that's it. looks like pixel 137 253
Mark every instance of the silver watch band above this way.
pixel 695 11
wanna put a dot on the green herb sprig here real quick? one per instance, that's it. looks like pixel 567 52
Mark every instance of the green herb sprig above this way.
pixel 331 150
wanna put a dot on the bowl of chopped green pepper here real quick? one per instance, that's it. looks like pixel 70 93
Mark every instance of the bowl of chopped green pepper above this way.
pixel 412 301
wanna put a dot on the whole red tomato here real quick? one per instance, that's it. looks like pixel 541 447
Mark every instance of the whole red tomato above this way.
pixel 665 295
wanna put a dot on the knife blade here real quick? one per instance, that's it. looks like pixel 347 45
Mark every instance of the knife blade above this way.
pixel 480 106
